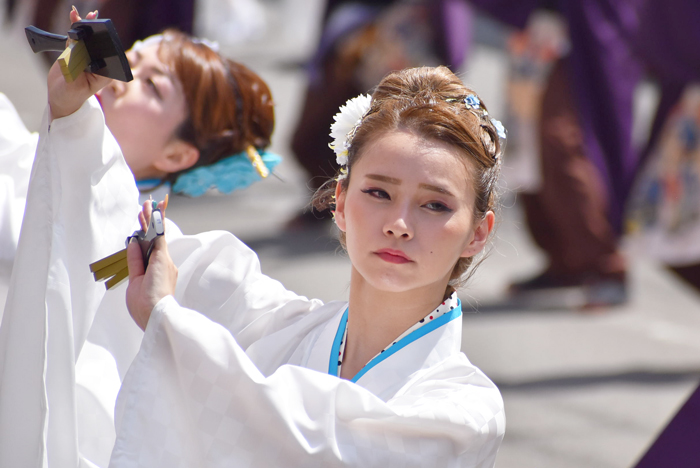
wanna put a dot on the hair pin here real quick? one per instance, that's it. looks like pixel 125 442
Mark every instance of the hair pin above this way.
pixel 472 102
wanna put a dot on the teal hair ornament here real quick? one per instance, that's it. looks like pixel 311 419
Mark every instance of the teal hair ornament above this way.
pixel 226 175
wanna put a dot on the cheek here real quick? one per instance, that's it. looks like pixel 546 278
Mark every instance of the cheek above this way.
pixel 147 126
pixel 456 234
pixel 357 226
pixel 140 140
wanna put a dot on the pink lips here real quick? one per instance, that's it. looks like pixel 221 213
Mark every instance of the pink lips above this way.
pixel 393 256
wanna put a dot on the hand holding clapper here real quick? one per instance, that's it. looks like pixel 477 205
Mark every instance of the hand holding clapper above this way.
pixel 114 269
pixel 94 47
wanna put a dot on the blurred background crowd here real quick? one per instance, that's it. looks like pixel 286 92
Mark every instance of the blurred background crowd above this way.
pixel 587 311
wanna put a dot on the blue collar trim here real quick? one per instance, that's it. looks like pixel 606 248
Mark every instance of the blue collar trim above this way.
pixel 402 343
pixel 335 349
pixel 148 184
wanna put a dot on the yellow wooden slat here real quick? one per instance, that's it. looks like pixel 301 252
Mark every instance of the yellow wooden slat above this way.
pixel 110 270
pixel 115 257
pixel 117 279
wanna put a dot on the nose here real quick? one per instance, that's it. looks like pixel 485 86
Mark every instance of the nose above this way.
pixel 118 87
pixel 398 224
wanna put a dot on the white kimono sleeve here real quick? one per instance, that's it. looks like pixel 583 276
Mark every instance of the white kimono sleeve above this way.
pixel 220 277
pixel 17 147
pixel 194 398
pixel 80 185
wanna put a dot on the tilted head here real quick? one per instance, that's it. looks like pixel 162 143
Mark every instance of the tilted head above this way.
pixel 432 104
pixel 198 107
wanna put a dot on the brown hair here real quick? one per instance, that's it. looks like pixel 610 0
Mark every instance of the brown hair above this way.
pixel 229 106
pixel 430 102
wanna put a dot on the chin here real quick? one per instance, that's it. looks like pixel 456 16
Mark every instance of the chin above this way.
pixel 393 283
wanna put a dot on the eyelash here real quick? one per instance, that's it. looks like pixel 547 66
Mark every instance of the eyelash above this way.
pixel 153 86
pixel 441 207
pixel 438 207
pixel 375 193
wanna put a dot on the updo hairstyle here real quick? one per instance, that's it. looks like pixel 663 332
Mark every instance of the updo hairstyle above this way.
pixel 429 103
pixel 229 106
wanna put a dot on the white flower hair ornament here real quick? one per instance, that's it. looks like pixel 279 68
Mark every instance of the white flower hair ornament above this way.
pixel 500 129
pixel 344 125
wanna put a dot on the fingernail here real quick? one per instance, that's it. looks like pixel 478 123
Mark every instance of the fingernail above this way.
pixel 73 8
pixel 97 13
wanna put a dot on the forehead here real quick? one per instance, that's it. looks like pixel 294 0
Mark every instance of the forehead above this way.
pixel 158 58
pixel 150 53
pixel 414 157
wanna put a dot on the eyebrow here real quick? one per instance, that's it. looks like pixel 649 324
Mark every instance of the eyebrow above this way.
pixel 157 70
pixel 394 181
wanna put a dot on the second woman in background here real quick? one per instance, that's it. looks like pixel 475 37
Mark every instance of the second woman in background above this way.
pixel 189 118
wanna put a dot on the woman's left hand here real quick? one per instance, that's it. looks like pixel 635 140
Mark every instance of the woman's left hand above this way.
pixel 148 287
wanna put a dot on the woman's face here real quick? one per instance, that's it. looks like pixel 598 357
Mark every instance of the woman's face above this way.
pixel 408 213
pixel 144 113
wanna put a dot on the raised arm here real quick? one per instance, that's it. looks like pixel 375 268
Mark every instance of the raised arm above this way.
pixel 82 202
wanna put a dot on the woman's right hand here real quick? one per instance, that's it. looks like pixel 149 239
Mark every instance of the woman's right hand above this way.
pixel 148 286
pixel 66 98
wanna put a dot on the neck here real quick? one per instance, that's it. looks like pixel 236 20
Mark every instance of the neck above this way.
pixel 147 173
pixel 376 318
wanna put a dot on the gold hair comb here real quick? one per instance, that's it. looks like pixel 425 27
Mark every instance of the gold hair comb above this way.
pixel 257 162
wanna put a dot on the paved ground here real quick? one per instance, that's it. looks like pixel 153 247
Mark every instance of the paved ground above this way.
pixel 582 389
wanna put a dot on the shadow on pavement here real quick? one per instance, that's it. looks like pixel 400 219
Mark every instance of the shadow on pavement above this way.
pixel 637 377
pixel 312 241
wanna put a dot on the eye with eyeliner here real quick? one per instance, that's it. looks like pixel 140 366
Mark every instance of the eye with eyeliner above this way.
pixel 438 207
pixel 376 193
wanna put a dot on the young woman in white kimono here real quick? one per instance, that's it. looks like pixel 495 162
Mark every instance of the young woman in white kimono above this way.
pixel 186 120
pixel 173 133
pixel 234 370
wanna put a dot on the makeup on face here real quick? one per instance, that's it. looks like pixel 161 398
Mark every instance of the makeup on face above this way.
pixel 407 212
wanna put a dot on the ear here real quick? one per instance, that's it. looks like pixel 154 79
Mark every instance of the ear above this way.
pixel 481 235
pixel 177 156
pixel 340 195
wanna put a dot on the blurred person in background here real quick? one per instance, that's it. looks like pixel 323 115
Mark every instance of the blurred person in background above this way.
pixel 677 443
pixel 188 119
pixel 361 41
pixel 189 131
pixel 588 159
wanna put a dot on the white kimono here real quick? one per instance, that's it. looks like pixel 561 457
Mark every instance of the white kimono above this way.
pixel 17 147
pixel 241 382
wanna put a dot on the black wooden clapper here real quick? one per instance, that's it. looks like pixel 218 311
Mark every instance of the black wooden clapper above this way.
pixel 95 48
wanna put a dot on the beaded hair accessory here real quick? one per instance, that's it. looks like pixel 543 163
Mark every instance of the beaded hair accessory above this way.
pixel 227 174
pixel 473 103
pixel 344 126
